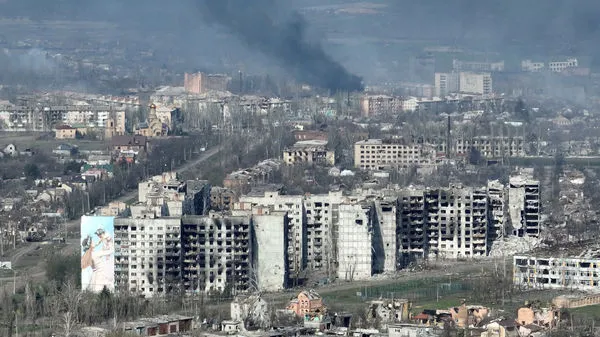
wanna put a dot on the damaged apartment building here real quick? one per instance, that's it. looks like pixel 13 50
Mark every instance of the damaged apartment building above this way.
pixel 323 232
pixel 172 243
pixel 442 223
pixel 353 236
pixel 524 205
pixel 148 242
pixel 572 267
pixel 216 253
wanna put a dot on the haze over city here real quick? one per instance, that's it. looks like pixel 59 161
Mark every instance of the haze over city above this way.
pixel 299 167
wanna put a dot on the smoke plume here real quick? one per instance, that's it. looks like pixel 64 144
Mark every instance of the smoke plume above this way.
pixel 264 26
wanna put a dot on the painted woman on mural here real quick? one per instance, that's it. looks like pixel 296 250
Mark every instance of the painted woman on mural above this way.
pixel 100 260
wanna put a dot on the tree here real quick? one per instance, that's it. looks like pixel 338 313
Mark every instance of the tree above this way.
pixel 63 269
pixel 32 171
pixel 68 323
pixel 475 157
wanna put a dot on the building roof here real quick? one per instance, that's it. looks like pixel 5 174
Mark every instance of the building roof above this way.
pixel 64 127
pixel 310 143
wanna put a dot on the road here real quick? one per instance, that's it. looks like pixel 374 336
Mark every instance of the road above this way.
pixel 73 243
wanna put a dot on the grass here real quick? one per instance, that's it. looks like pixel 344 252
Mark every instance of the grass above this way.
pixel 426 293
pixel 25 141
pixel 592 311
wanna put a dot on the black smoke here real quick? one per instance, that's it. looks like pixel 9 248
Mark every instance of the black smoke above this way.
pixel 281 35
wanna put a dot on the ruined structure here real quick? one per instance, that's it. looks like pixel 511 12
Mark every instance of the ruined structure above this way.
pixel 385 240
pixel 496 194
pixel 147 255
pixel 524 205
pixel 388 311
pixel 252 310
pixel 449 223
pixel 296 225
pixel 576 269
pixel 270 258
pixel 354 242
pixel 216 253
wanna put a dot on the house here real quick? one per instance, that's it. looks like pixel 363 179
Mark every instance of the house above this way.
pixel 11 150
pixel 98 159
pixel 65 132
pixel 135 144
pixel 93 174
pixel 8 204
pixel 307 303
pixel 64 149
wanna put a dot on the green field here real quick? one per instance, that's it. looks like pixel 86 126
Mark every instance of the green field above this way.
pixel 592 311
pixel 33 141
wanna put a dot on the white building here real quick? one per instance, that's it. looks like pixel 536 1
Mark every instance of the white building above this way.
pixel 549 270
pixel 553 66
pixel 354 243
pixel 309 152
pixel 491 147
pixel 410 104
pixel 559 66
pixel 475 83
pixel 379 104
pixel 446 83
pixel 322 214
pixel 530 66
pixel 270 265
pixel 458 65
pixel 497 203
pixel 385 236
pixel 147 254
pixel 293 205
pixel 381 154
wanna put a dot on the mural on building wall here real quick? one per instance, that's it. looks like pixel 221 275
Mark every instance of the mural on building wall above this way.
pixel 97 253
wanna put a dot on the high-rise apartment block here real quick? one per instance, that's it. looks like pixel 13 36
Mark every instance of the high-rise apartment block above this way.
pixel 216 253
pixel 269 240
pixel 447 223
pixel 147 255
pixel 466 82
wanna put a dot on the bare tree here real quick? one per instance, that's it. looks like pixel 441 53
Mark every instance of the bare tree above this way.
pixel 68 323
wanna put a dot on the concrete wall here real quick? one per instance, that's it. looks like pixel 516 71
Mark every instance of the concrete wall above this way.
pixel 270 263
pixel 354 242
